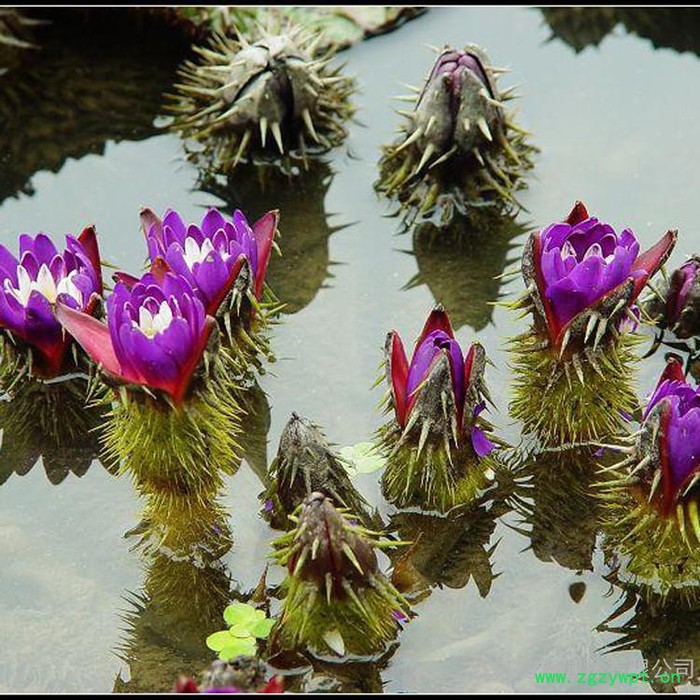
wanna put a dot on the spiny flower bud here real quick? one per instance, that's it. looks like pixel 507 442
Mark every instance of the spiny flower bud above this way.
pixel 337 600
pixel 676 304
pixel 306 463
pixel 460 149
pixel 271 95
pixel 437 445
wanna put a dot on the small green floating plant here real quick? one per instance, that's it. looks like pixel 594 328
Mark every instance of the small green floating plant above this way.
pixel 276 95
pixel 573 378
pixel 460 149
pixel 337 602
pixel 437 444
pixel 246 625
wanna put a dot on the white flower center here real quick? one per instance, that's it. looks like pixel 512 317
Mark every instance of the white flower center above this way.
pixel 194 254
pixel 150 324
pixel 44 284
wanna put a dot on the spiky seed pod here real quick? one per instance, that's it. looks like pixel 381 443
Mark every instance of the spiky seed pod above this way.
pixel 306 463
pixel 271 98
pixel 675 304
pixel 651 497
pixel 572 379
pixel 437 444
pixel 460 149
pixel 337 601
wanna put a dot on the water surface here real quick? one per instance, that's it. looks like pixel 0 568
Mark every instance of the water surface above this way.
pixel 617 128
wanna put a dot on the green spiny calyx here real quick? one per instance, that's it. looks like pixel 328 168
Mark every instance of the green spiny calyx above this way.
pixel 579 396
pixel 337 601
pixel 306 463
pixel 655 551
pixel 184 449
pixel 276 95
pixel 460 149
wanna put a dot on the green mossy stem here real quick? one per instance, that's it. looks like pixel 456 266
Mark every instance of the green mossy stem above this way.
pixel 365 621
pixel 196 529
pixel 184 449
pixel 660 555
pixel 436 478
pixel 574 397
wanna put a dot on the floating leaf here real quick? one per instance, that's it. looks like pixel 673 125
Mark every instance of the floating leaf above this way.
pixel 242 615
pixel 363 457
pixel 262 628
pixel 219 640
pixel 240 647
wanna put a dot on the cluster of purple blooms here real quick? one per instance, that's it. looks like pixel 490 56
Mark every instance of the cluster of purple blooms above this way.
pixel 157 326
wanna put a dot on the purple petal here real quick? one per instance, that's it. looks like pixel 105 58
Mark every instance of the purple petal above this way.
pixel 423 358
pixel 481 444
pixel 8 265
pixel 212 222
pixel 44 249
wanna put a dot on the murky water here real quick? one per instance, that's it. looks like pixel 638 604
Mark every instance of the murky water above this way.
pixel 617 128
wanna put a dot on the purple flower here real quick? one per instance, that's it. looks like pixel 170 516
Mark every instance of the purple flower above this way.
pixel 686 275
pixel 210 256
pixel 679 309
pixel 30 286
pixel 672 419
pixel 435 345
pixel 155 334
pixel 580 263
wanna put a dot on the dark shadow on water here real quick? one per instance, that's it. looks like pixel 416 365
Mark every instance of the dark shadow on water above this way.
pixel 296 276
pixel 97 78
pixel 460 264
pixel 676 28
pixel 665 630
pixel 452 549
pixel 168 621
pixel 48 421
pixel 558 508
